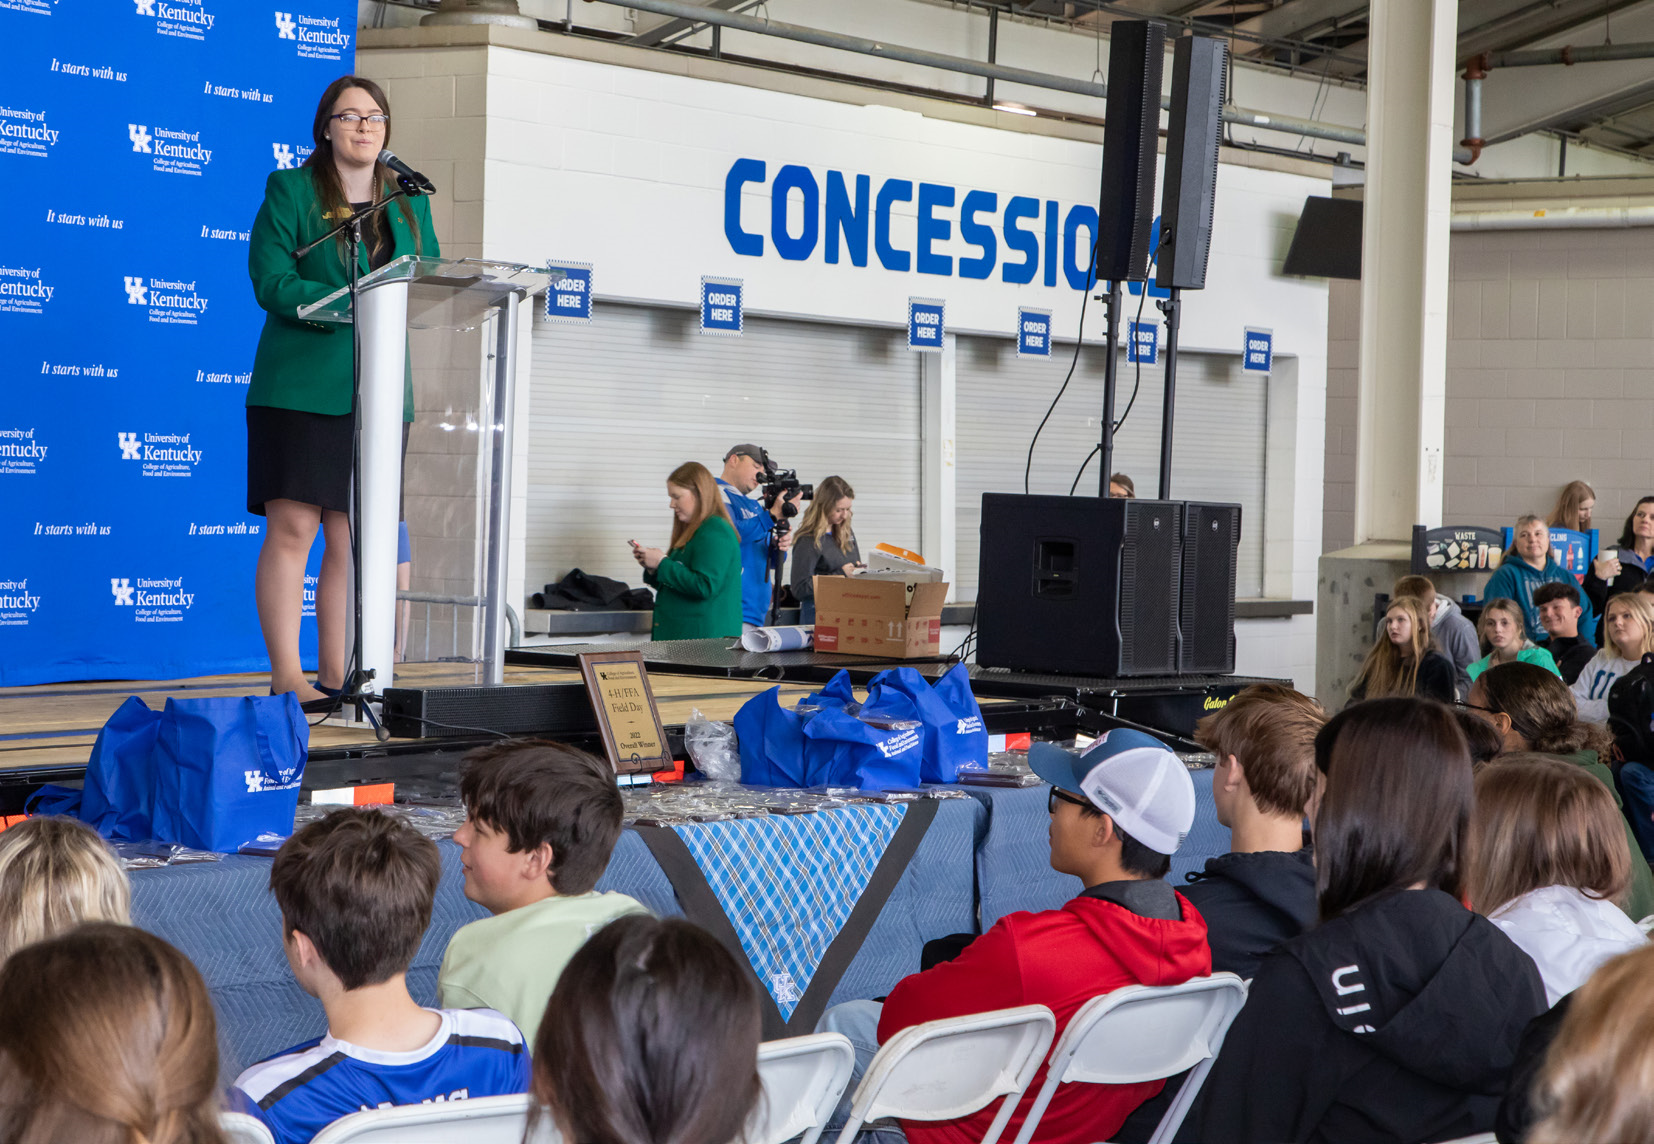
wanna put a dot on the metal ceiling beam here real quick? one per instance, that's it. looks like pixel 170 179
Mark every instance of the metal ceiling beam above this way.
pixel 1586 114
pixel 1539 21
pixel 1297 18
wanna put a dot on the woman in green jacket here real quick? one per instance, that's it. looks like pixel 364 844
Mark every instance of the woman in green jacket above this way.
pixel 1501 630
pixel 300 417
pixel 697 581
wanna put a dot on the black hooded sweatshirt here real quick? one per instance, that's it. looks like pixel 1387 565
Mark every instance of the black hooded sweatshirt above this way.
pixel 1253 903
pixel 1396 1022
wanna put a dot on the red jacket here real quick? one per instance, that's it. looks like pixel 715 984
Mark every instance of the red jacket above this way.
pixel 1060 959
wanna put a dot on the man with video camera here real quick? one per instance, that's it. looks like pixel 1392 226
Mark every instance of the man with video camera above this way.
pixel 763 534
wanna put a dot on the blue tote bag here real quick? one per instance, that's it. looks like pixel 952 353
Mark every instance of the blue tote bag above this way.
pixel 845 750
pixel 118 800
pixel 227 770
pixel 953 732
pixel 772 742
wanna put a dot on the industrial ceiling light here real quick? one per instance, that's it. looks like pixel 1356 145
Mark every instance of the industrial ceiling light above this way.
pixel 502 12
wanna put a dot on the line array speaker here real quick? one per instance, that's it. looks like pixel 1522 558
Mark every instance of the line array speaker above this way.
pixel 1206 613
pixel 1131 137
pixel 446 712
pixel 1199 66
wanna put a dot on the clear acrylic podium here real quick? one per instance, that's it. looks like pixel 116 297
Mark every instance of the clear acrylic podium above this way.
pixel 429 294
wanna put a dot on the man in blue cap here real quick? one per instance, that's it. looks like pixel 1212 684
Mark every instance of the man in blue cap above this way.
pixel 1119 810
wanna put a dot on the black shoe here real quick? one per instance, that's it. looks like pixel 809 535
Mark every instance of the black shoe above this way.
pixel 330 690
pixel 326 705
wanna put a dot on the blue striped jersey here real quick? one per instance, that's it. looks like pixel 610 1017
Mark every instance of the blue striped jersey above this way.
pixel 476 1052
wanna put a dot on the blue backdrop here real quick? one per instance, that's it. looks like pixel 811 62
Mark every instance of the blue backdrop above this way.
pixel 135 138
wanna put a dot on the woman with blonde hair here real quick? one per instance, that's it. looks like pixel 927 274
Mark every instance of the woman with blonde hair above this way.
pixel 1501 630
pixel 1628 635
pixel 54 874
pixel 1574 506
pixel 1405 661
pixel 826 544
pixel 1549 864
pixel 107 1036
pixel 697 579
pixel 1597 1084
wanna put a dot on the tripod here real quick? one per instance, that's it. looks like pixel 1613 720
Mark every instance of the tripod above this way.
pixel 777 560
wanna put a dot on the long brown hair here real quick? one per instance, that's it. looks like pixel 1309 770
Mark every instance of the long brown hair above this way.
pixel 817 518
pixel 1573 495
pixel 1598 1080
pixel 1542 822
pixel 709 501
pixel 651 1035
pixel 1387 670
pixel 54 874
pixel 107 1036
pixel 1396 809
pixel 1541 709
pixel 324 172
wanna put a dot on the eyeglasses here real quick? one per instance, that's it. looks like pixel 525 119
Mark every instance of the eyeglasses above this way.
pixel 1475 707
pixel 351 119
pixel 1056 795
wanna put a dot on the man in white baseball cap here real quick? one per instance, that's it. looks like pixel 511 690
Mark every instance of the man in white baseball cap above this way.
pixel 1118 812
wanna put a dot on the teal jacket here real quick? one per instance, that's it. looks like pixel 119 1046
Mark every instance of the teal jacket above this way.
pixel 698 585
pixel 1516 579
pixel 307 365
pixel 1535 655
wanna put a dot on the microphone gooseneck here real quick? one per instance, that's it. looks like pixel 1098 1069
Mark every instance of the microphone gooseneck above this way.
pixel 411 180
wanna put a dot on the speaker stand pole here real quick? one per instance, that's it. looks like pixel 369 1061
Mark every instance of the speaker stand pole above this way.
pixel 1169 307
pixel 1111 310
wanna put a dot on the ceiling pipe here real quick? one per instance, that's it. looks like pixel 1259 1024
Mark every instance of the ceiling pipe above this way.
pixel 1568 56
pixel 1246 117
pixel 1475 72
pixel 1556 218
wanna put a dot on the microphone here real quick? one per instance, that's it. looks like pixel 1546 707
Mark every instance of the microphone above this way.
pixel 411 180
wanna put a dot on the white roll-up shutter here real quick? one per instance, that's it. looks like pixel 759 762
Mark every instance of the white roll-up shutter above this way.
pixel 1218 440
pixel 618 404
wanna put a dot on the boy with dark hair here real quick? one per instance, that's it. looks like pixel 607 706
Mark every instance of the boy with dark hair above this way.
pixel 543 819
pixel 1559 612
pixel 1118 813
pixel 1263 892
pixel 355 892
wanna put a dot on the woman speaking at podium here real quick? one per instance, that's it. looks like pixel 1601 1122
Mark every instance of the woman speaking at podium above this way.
pixel 300 419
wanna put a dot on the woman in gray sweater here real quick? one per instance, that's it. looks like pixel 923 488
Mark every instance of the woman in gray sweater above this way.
pixel 825 546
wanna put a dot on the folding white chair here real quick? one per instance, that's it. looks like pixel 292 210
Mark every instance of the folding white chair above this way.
pixel 480 1120
pixel 803 1079
pixel 942 1070
pixel 1143 1032
pixel 239 1128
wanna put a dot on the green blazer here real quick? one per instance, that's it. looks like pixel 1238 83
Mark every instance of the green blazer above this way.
pixel 698 585
pixel 307 365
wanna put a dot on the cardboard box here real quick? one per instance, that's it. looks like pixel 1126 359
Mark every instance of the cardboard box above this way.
pixel 888 619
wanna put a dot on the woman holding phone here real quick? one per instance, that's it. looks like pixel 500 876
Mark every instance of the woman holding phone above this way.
pixel 697 578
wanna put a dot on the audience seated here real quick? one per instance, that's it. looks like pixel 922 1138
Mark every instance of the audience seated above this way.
pixel 1574 507
pixel 1129 927
pixel 107 1036
pixel 1626 563
pixel 1559 612
pixel 1526 566
pixel 1501 630
pixel 1397 1017
pixel 1263 891
pixel 542 820
pixel 1404 660
pixel 55 873
pixel 651 1037
pixel 1533 711
pixel 1628 626
pixel 355 891
pixel 1594 1085
pixel 1550 862
pixel 1455 636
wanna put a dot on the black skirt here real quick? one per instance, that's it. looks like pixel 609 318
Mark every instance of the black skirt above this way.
pixel 298 456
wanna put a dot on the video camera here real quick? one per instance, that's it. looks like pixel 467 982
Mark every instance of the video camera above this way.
pixel 780 484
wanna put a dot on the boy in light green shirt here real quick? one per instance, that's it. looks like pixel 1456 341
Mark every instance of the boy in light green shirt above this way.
pixel 542 820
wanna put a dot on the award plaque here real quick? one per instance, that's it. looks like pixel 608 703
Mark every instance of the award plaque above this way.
pixel 625 707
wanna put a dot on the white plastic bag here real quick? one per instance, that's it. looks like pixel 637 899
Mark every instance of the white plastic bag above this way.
pixel 713 746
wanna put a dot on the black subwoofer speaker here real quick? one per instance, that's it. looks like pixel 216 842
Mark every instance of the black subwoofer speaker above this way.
pixel 1080 585
pixel 1206 612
